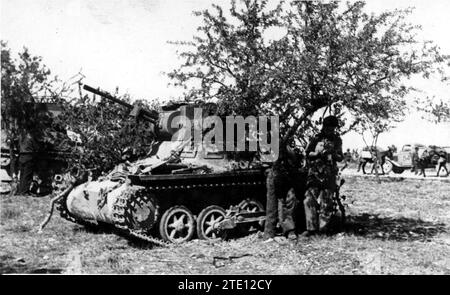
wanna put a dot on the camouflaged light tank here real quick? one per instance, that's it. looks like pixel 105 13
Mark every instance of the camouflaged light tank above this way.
pixel 180 191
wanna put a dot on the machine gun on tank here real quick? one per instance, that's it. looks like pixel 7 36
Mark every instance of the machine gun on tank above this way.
pixel 151 116
pixel 161 122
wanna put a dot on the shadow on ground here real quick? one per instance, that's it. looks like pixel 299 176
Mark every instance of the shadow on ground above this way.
pixel 393 228
pixel 104 228
pixel 94 229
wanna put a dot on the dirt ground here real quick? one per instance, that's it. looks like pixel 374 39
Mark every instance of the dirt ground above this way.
pixel 396 227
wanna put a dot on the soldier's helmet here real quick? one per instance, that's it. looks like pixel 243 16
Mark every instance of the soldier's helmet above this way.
pixel 331 121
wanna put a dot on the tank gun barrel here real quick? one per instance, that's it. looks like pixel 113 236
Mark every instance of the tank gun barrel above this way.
pixel 147 115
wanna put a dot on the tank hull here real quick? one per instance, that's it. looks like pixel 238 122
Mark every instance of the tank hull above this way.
pixel 139 202
pixel 93 201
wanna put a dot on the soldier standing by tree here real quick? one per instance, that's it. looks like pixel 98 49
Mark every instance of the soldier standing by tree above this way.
pixel 324 150
pixel 338 66
pixel 281 197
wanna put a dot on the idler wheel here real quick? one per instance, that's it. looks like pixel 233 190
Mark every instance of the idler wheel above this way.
pixel 208 221
pixel 177 225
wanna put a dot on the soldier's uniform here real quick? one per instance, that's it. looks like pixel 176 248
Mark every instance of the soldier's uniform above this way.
pixel 282 195
pixel 27 155
pixel 321 180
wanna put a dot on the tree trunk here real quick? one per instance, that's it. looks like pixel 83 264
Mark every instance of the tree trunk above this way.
pixel 377 176
pixel 271 205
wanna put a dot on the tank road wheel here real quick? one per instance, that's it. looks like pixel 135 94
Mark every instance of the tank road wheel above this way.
pixel 252 205
pixel 177 225
pixel 207 222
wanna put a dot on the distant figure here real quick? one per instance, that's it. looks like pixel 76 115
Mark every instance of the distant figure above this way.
pixel 442 163
pixel 393 149
pixel 27 158
pixel 364 159
pixel 422 164
pixel 348 156
pixel 375 155
pixel 355 155
pixel 415 160
pixel 382 158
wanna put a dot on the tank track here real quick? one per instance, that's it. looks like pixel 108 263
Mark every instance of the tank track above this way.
pixel 61 206
pixel 121 205
pixel 120 208
pixel 118 218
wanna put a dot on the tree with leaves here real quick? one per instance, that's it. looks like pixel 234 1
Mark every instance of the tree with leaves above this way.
pixel 26 82
pixel 375 119
pixel 435 111
pixel 108 135
pixel 332 56
pixel 26 125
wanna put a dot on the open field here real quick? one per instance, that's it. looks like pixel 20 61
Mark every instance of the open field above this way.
pixel 396 227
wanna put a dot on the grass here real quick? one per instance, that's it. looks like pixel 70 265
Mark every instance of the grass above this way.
pixel 393 228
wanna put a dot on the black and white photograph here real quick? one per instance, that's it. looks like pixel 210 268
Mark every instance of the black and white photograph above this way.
pixel 225 138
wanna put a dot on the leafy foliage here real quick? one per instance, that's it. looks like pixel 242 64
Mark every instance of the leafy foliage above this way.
pixel 436 111
pixel 107 134
pixel 25 82
pixel 332 57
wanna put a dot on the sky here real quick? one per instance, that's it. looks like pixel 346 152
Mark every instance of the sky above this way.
pixel 124 43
